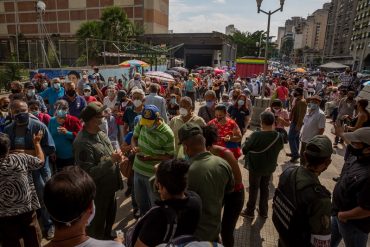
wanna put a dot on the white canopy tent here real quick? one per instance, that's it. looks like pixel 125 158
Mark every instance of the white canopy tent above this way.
pixel 333 65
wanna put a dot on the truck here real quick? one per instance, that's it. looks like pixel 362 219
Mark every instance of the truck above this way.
pixel 249 66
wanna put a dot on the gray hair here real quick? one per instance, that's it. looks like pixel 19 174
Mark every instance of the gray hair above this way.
pixel 138 91
pixel 267 118
pixel 61 105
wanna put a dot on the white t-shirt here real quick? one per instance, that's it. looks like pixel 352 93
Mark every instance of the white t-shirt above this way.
pixel 108 103
pixel 92 242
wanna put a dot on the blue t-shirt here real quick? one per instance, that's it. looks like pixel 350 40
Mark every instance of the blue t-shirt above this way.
pixel 63 143
pixel 128 137
pixel 52 96
pixel 189 86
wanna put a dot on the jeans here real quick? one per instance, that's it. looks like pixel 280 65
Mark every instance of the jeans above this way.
pixel 40 177
pixel 303 149
pixel 143 192
pixel 261 183
pixel 233 206
pixel 293 139
pixel 352 236
pixel 21 227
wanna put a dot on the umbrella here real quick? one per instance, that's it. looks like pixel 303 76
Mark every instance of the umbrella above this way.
pixel 300 70
pixel 173 72
pixel 366 83
pixel 219 71
pixel 180 69
pixel 133 63
pixel 162 76
pixel 333 65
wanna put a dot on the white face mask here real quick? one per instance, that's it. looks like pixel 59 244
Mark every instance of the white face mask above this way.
pixel 31 92
pixel 87 94
pixel 137 103
pixel 183 112
pixel 91 217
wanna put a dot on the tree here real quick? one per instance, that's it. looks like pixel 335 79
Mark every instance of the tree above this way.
pixel 11 72
pixel 247 43
pixel 115 24
pixel 87 35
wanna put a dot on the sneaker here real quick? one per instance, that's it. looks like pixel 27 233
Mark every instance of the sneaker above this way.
pixel 50 233
pixel 246 215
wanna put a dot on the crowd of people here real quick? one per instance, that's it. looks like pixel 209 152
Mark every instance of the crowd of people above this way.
pixel 69 144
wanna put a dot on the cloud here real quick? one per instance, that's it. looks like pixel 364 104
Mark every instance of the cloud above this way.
pixel 219 1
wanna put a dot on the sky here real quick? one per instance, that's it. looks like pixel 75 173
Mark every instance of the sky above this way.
pixel 190 16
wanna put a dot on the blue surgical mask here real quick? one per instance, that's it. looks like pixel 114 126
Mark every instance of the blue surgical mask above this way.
pixel 56 86
pixel 173 101
pixel 241 102
pixel 313 106
pixel 61 113
pixel 210 104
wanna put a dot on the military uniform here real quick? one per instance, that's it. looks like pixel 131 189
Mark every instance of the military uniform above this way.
pixel 302 209
pixel 93 153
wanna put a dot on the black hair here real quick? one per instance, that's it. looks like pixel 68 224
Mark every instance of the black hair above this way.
pixel 313 160
pixel 210 133
pixel 172 174
pixel 221 107
pixel 34 102
pixel 267 118
pixel 68 194
pixel 4 145
pixel 74 72
pixel 363 103
pixel 277 102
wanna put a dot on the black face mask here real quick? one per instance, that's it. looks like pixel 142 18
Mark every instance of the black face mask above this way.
pixel 358 152
pixel 71 93
pixel 14 91
pixel 22 118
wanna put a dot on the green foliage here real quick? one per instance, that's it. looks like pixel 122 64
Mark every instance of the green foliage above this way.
pixel 11 72
pixel 113 25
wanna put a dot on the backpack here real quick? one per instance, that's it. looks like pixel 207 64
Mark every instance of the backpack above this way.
pixel 289 216
pixel 133 233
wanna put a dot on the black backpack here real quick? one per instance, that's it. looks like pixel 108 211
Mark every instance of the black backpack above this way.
pixel 289 215
pixel 133 233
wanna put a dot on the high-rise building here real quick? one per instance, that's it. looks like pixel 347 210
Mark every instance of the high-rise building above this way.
pixel 314 30
pixel 230 29
pixel 281 33
pixel 360 49
pixel 339 31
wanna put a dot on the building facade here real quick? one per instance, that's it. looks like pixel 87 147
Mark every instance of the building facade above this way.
pixel 339 31
pixel 359 48
pixel 20 27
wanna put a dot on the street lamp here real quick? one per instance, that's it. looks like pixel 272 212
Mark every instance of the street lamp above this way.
pixel 269 14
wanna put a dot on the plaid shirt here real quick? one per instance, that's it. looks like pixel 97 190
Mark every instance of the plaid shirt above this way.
pixel 345 79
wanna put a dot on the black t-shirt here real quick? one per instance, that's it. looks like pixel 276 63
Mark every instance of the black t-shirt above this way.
pixel 238 114
pixel 353 189
pixel 188 213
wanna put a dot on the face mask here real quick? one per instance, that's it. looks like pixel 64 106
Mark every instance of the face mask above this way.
pixel 220 119
pixel 241 102
pixel 35 113
pixel 313 106
pixel 111 94
pixel 91 217
pixel 71 93
pixel 276 109
pixel 183 112
pixel 210 104
pixel 356 151
pixel 137 103
pixel 350 97
pixel 173 101
pixel 87 94
pixel 31 92
pixel 45 85
pixel 21 118
pixel 56 86
pixel 110 82
pixel 349 105
pixel 61 113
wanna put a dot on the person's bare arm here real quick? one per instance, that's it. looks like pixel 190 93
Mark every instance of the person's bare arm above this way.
pixel 36 142
pixel 360 121
pixel 229 157
pixel 354 214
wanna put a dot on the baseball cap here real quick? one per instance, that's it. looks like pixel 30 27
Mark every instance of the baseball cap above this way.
pixel 189 130
pixel 149 114
pixel 91 110
pixel 87 87
pixel 359 135
pixel 299 90
pixel 323 146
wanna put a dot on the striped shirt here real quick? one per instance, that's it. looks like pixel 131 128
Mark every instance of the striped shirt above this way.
pixel 159 141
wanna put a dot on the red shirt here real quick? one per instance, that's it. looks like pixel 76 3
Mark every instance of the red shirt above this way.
pixel 44 118
pixel 72 124
pixel 90 99
pixel 223 129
